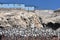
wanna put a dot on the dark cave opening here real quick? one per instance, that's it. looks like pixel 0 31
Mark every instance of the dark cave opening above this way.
pixel 54 26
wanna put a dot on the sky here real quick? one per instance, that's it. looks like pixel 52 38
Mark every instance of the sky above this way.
pixel 39 4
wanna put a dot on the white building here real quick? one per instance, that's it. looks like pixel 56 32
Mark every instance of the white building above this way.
pixel 29 8
pixel 22 6
pixel 12 6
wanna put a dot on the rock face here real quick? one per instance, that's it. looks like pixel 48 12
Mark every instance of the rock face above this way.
pixel 29 23
pixel 19 18
pixel 50 18
pixel 22 18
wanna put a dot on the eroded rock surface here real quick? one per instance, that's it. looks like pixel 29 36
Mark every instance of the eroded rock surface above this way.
pixel 22 22
pixel 19 18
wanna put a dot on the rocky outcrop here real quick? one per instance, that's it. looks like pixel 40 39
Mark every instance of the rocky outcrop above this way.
pixel 25 19
pixel 51 18
pixel 24 23
pixel 19 19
